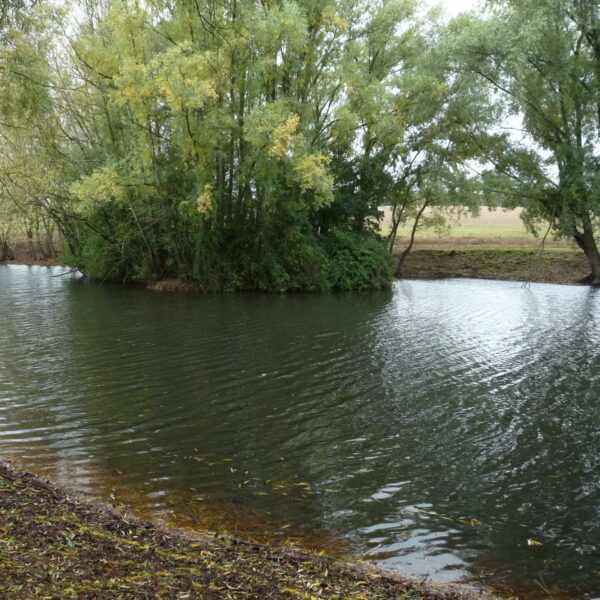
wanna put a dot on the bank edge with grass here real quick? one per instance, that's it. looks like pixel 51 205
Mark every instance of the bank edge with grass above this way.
pixel 556 265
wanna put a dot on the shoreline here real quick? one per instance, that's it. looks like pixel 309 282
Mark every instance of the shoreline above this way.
pixel 523 265
pixel 57 543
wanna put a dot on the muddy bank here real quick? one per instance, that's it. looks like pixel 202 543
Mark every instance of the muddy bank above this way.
pixel 555 265
pixel 173 285
pixel 57 544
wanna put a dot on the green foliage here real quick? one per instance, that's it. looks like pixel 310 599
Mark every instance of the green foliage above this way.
pixel 200 140
pixel 357 262
pixel 237 259
pixel 237 145
pixel 543 57
pixel 111 247
pixel 298 262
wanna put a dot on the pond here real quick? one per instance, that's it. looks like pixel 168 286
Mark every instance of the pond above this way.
pixel 443 429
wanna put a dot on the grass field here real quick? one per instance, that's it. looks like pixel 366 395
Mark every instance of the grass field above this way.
pixel 492 228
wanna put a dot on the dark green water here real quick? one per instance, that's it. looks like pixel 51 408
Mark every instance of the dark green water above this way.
pixel 441 428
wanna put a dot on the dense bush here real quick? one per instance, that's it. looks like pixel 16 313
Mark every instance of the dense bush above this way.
pixel 234 259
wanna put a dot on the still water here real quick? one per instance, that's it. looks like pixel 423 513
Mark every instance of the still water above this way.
pixel 448 429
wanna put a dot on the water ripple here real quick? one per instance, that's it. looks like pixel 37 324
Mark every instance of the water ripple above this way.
pixel 438 427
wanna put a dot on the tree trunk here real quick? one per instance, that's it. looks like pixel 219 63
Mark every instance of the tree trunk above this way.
pixel 585 240
pixel 397 216
pixel 5 251
pixel 413 234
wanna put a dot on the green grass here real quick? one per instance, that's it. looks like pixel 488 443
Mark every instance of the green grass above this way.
pixel 498 223
pixel 489 223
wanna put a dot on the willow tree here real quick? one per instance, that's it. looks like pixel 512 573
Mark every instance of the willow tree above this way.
pixel 26 127
pixel 445 116
pixel 542 60
pixel 236 144
pixel 209 141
